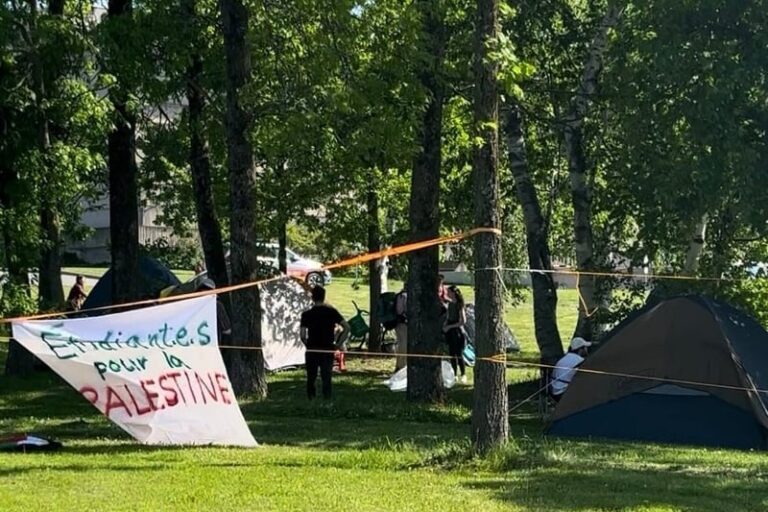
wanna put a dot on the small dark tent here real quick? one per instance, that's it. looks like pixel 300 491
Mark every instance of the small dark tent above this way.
pixel 675 345
pixel 154 277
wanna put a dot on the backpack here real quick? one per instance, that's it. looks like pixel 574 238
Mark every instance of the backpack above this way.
pixel 469 355
pixel 387 309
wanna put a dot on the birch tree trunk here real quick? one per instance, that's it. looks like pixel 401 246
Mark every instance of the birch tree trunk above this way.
pixel 490 423
pixel 577 169
pixel 424 328
pixel 199 160
pixel 543 284
pixel 245 367
pixel 123 183
pixel 696 246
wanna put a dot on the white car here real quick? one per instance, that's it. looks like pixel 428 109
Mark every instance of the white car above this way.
pixel 308 270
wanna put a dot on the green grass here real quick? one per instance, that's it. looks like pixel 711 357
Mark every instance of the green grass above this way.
pixel 367 450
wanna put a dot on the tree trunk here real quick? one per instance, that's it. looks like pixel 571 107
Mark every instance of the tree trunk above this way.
pixel 374 275
pixel 424 315
pixel 543 284
pixel 18 273
pixel 577 169
pixel 123 186
pixel 282 244
pixel 696 246
pixel 56 7
pixel 51 293
pixel 200 162
pixel 246 367
pixel 51 289
pixel 9 179
pixel 490 422
pixel 20 361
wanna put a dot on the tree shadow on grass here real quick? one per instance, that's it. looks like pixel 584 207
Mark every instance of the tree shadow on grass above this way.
pixel 592 488
pixel 363 413
pixel 47 466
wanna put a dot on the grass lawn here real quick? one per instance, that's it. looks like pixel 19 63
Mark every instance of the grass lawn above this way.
pixel 367 450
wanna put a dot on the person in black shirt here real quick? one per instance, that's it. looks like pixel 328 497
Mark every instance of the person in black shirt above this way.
pixel 318 332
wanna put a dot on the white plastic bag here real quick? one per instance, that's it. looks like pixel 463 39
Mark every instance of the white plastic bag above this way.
pixel 399 381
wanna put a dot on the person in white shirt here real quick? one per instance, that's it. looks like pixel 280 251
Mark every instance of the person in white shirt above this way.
pixel 566 367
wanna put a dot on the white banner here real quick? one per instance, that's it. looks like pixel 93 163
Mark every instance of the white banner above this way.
pixel 155 372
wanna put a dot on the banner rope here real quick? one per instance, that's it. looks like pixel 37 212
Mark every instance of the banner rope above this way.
pixel 616 274
pixel 403 249
pixel 364 258
pixel 355 260
pixel 500 358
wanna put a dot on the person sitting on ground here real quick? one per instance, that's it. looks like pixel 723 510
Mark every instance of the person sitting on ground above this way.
pixel 318 333
pixel 453 328
pixel 222 318
pixel 77 294
pixel 565 368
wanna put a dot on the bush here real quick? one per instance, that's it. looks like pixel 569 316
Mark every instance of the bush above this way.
pixel 16 300
pixel 180 255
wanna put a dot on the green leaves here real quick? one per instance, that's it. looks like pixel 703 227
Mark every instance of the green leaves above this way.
pixel 512 71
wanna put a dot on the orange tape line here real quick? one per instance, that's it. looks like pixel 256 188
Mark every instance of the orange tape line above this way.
pixel 401 249
pixel 410 247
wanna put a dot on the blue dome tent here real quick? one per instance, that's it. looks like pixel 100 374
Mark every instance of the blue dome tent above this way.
pixel 688 370
pixel 154 277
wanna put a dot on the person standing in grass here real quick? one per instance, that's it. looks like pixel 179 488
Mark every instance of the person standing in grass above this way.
pixel 318 333
pixel 453 328
pixel 442 292
pixel 77 294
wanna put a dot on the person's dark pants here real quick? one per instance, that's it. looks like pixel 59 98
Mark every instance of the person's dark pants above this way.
pixel 455 339
pixel 322 362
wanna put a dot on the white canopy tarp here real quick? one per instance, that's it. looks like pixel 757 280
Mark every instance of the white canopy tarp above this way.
pixel 282 303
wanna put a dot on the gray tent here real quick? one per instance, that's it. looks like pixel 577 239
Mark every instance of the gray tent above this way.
pixel 510 342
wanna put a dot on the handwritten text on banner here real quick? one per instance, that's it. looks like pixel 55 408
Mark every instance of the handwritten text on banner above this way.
pixel 156 372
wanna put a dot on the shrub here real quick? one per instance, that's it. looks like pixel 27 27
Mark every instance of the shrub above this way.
pixel 183 254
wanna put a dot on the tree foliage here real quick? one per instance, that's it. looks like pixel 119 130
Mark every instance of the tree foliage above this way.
pixel 337 99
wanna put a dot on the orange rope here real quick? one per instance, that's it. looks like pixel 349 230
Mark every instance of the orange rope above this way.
pixel 414 246
pixel 401 249
pixel 501 358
